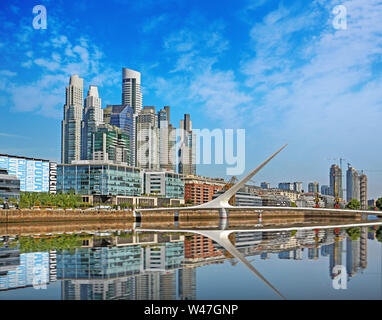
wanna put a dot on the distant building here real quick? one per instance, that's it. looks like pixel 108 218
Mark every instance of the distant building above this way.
pixel 111 143
pixel 93 117
pixel 9 186
pixel 167 140
pixel 293 186
pixel 243 199
pixel 371 203
pixel 352 184
pixel 187 147
pixel 265 185
pixel 335 178
pixel 122 116
pixel 286 186
pixel 308 201
pixel 325 190
pixel 312 187
pixel 297 186
pixel 363 191
pixel 147 139
pixel 131 89
pixel 71 124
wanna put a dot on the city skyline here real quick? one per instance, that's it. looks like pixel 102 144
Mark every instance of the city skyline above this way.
pixel 200 67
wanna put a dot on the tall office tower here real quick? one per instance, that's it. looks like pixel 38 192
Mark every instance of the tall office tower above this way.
pixel 352 184
pixel 131 89
pixel 363 191
pixel 187 283
pixel 335 178
pixel 111 143
pixel 147 139
pixel 187 147
pixel 93 117
pixel 71 125
pixel 325 190
pixel 122 117
pixel 167 140
pixel 132 96
pixel 312 187
pixel 107 114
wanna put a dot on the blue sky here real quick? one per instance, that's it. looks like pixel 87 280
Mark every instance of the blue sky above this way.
pixel 278 69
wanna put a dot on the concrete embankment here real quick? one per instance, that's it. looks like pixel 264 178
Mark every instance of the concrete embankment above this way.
pixel 24 215
pixel 267 215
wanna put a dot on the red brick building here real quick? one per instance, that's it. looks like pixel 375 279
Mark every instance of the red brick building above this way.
pixel 200 190
pixel 200 247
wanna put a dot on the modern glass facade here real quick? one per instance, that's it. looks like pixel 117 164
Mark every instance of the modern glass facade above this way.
pixel 99 179
pixel 111 143
pixel 174 186
pixel 166 184
pixel 122 117
pixel 9 186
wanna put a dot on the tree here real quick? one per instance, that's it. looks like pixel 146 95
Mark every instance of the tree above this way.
pixel 379 204
pixel 354 233
pixel 292 204
pixel 353 204
pixel 379 234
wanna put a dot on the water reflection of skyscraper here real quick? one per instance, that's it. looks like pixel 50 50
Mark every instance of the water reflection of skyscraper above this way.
pixel 153 265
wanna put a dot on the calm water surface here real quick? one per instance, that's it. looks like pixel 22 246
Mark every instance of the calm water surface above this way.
pixel 324 262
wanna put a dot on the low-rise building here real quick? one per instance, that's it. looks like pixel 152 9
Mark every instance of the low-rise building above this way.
pixel 9 186
pixel 200 189
pixel 164 183
pixel 103 178
pixel 308 200
pixel 243 199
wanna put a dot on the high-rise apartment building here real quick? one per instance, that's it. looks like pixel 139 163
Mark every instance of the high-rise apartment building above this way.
pixel 335 178
pixel 132 96
pixel 131 89
pixel 167 140
pixel 325 190
pixel 363 191
pixel 187 147
pixel 111 143
pixel 71 125
pixel 93 117
pixel 122 116
pixel 312 187
pixel 352 184
pixel 147 139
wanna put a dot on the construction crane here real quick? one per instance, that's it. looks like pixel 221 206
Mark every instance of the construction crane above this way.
pixel 229 185
pixel 316 199
pixel 337 199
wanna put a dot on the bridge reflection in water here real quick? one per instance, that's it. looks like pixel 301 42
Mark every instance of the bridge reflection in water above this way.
pixel 142 260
